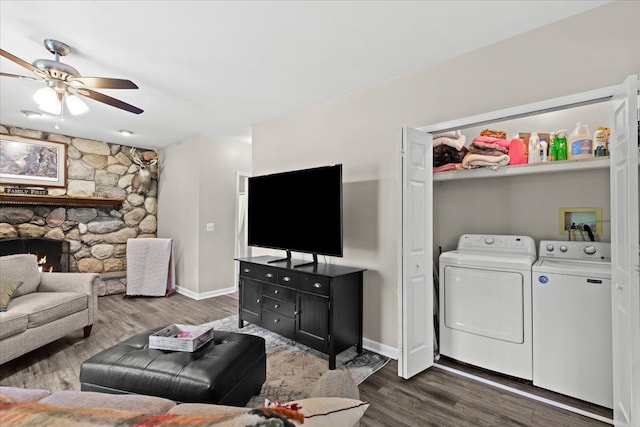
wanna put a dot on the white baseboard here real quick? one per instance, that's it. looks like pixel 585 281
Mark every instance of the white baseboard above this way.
pixel 383 349
pixel 200 296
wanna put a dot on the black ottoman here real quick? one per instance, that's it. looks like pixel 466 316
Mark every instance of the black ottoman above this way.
pixel 228 370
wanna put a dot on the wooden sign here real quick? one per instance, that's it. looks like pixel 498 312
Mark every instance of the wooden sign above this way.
pixel 30 191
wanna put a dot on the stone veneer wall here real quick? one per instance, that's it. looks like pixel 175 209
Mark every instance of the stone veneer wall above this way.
pixel 97 236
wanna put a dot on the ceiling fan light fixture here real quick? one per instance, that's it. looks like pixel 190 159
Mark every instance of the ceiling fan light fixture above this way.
pixel 75 105
pixel 47 100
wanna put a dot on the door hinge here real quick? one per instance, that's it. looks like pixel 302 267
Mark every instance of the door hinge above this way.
pixel 329 305
pixel 329 338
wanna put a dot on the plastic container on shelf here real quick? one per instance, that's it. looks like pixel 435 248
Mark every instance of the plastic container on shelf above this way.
pixel 534 149
pixel 600 142
pixel 562 149
pixel 517 151
pixel 553 147
pixel 580 144
pixel 542 149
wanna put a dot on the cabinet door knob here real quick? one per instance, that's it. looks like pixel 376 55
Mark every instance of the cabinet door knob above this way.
pixel 317 285
pixel 246 270
pixel 295 313
pixel 276 320
pixel 269 275
pixel 258 300
pixel 276 306
pixel 286 279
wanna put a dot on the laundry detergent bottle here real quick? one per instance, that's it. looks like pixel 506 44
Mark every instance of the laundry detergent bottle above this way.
pixel 561 138
pixel 534 148
pixel 543 150
pixel 580 143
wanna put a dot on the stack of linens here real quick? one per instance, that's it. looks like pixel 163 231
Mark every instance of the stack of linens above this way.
pixel 448 151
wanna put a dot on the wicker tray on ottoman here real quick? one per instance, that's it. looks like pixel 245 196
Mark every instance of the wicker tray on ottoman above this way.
pixel 228 370
pixel 181 338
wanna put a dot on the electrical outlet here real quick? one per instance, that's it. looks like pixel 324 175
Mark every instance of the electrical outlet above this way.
pixel 211 226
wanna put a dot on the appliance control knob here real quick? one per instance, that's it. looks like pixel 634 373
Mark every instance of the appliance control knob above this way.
pixel 489 240
pixel 563 248
pixel 590 250
pixel 550 248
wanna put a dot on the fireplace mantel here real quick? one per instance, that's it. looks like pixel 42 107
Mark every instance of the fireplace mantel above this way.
pixel 37 200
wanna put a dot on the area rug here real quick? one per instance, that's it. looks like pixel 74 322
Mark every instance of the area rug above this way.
pixel 294 368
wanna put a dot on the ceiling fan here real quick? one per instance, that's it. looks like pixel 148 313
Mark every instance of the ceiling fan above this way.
pixel 63 82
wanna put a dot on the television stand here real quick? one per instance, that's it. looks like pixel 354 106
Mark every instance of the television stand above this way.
pixel 288 258
pixel 304 264
pixel 319 306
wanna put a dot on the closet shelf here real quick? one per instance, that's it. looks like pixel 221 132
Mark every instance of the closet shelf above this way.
pixel 537 168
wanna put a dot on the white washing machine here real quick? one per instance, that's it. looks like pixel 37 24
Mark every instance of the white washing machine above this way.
pixel 572 351
pixel 485 302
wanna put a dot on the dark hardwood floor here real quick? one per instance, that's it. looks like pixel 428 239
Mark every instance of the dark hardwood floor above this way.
pixel 433 398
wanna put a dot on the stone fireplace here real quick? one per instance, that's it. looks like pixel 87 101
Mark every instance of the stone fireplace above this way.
pixel 93 216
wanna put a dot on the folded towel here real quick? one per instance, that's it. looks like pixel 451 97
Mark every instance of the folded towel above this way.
pixel 487 149
pixel 472 161
pixel 443 154
pixel 456 143
pixel 454 134
pixel 491 140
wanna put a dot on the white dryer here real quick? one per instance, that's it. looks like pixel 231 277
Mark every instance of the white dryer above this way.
pixel 572 350
pixel 485 302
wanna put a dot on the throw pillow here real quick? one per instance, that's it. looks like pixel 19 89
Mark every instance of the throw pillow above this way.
pixel 331 411
pixel 7 288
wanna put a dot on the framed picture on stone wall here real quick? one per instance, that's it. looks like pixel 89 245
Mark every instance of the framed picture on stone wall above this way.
pixel 32 162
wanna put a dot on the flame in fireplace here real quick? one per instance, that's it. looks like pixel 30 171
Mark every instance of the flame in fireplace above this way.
pixel 41 263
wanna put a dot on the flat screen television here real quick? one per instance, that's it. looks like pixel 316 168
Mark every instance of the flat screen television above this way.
pixel 299 211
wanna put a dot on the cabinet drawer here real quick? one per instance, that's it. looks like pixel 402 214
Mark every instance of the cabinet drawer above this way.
pixel 260 272
pixel 280 307
pixel 278 323
pixel 279 292
pixel 304 282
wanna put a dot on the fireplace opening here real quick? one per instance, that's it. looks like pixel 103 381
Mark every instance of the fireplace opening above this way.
pixel 53 255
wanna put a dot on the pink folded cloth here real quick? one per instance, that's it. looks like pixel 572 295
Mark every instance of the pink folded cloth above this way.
pixel 472 161
pixel 491 140
pixel 487 148
pixel 448 167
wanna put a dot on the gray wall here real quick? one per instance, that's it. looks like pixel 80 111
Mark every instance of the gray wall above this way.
pixel 362 130
pixel 197 186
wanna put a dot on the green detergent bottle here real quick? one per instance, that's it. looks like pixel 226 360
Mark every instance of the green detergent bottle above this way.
pixel 553 147
pixel 562 145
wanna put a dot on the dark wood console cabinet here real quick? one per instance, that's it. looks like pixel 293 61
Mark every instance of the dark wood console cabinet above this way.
pixel 316 305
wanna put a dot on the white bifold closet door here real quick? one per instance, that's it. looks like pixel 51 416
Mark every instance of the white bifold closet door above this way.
pixel 625 298
pixel 416 301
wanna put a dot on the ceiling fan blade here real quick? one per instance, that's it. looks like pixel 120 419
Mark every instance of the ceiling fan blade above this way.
pixel 107 100
pixel 104 82
pixel 18 61
pixel 17 76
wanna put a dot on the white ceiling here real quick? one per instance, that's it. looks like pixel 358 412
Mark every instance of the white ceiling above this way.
pixel 214 68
